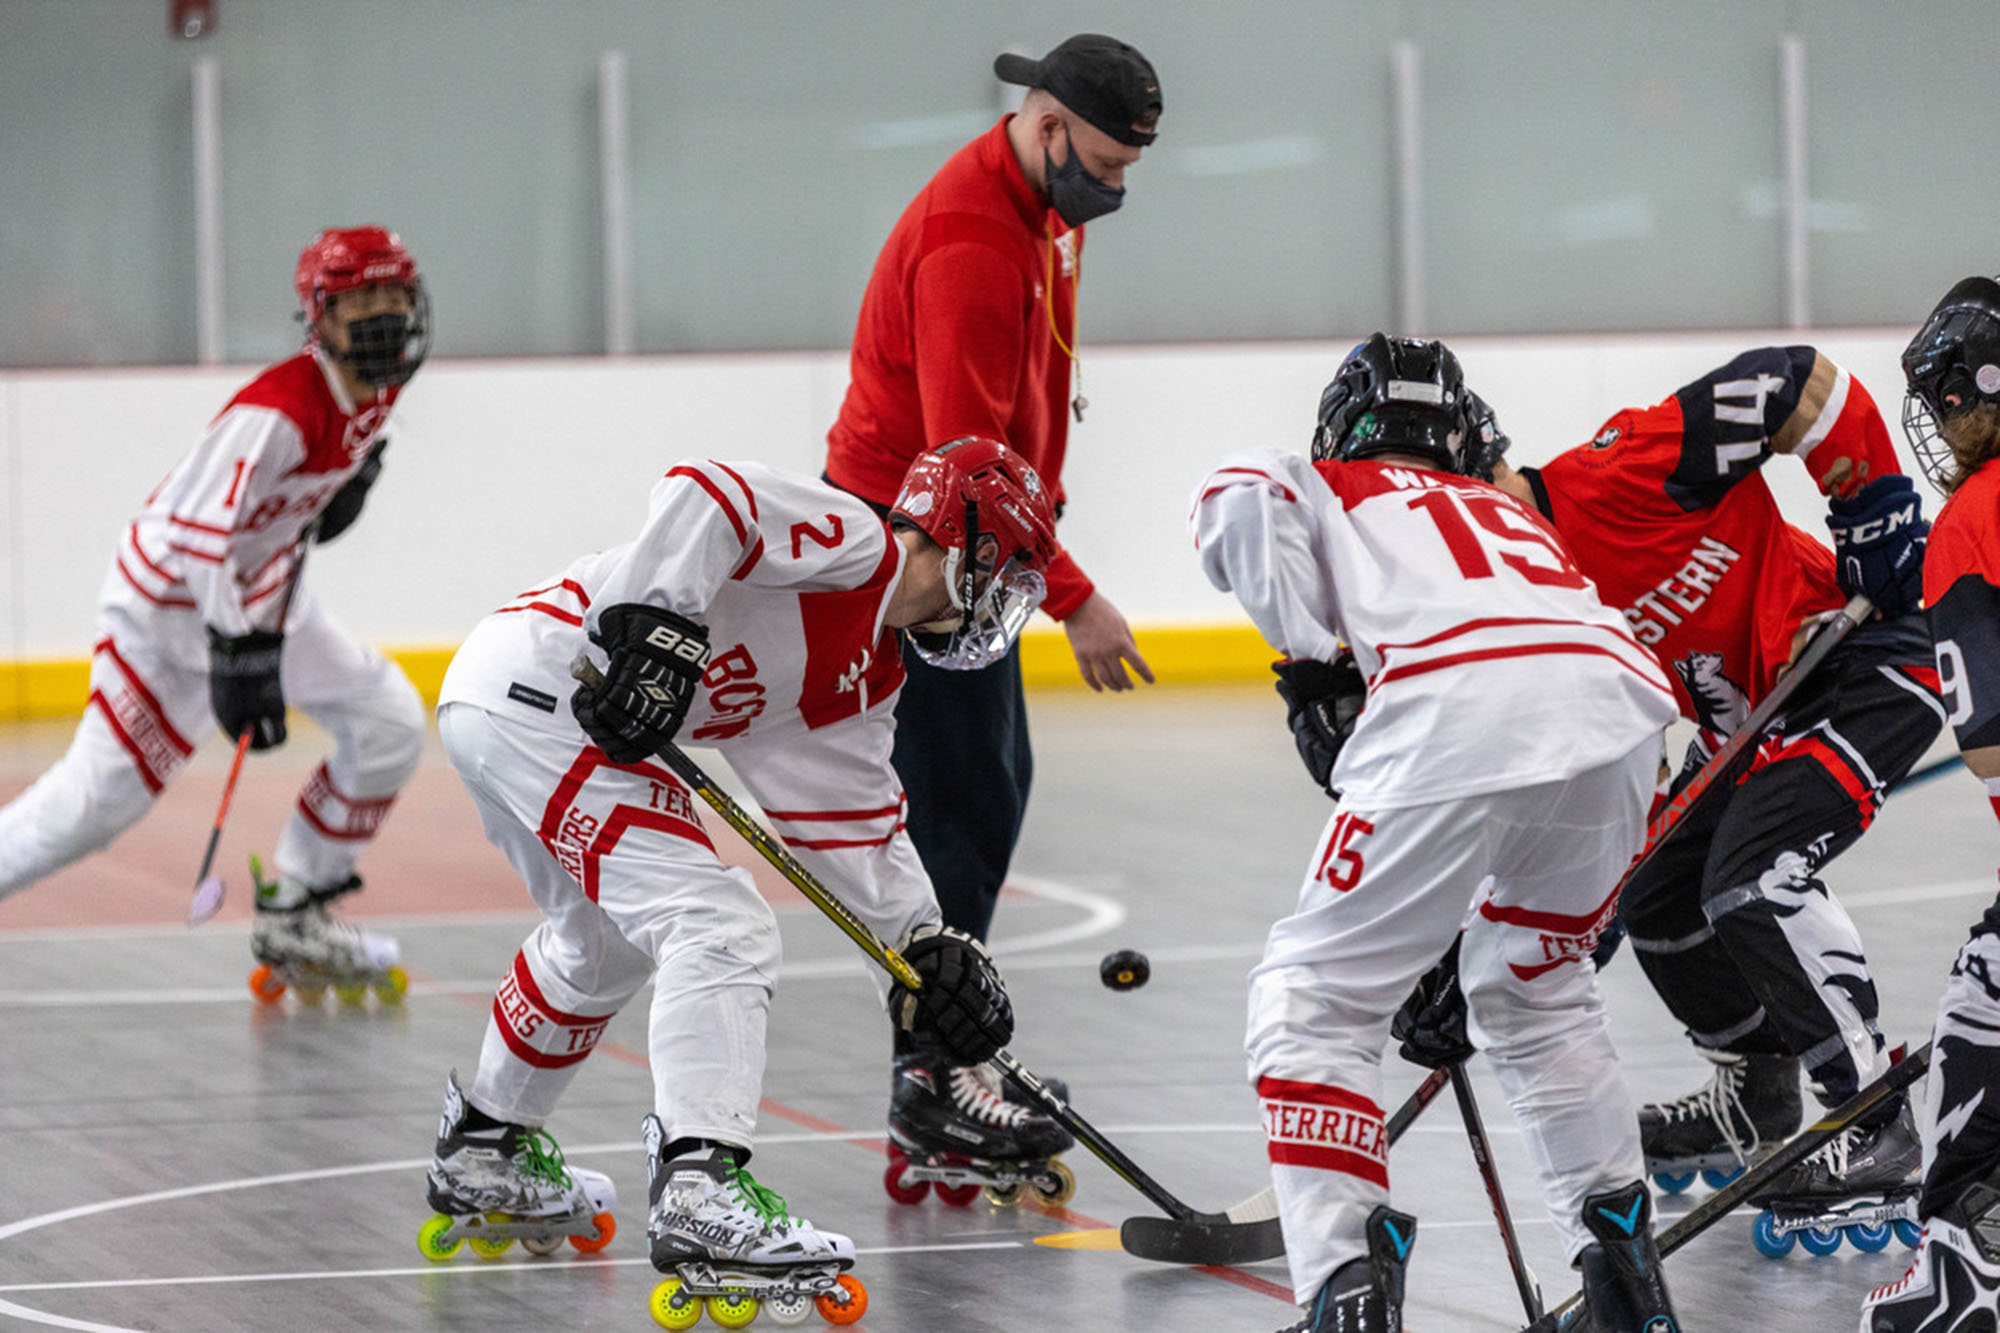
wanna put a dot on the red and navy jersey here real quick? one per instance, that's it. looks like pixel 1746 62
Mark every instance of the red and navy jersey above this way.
pixel 1667 512
pixel 1962 600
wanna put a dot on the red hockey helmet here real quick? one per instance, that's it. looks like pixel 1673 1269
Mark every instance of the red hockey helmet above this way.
pixel 988 509
pixel 342 259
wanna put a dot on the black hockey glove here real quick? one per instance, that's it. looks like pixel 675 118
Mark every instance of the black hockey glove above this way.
pixel 656 661
pixel 963 1005
pixel 244 688
pixel 345 506
pixel 1322 700
pixel 1431 1023
pixel 1879 537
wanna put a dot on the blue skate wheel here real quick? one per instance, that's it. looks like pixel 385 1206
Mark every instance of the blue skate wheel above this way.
pixel 1673 1182
pixel 1770 1243
pixel 1908 1232
pixel 1820 1241
pixel 1869 1238
pixel 1719 1177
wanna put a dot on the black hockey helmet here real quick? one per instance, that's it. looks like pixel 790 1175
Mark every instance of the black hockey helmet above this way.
pixel 1395 396
pixel 1951 366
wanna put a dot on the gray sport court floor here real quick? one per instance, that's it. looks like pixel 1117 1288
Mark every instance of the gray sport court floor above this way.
pixel 173 1157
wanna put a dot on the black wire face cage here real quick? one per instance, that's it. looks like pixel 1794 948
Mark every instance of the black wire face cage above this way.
pixel 1934 456
pixel 385 350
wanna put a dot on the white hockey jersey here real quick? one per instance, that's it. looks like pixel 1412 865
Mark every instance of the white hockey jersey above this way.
pixel 791 578
pixel 218 536
pixel 1491 664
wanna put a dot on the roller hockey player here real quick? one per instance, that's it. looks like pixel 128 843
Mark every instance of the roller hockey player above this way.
pixel 1456 605
pixel 1667 513
pixel 187 632
pixel 1951 416
pixel 758 613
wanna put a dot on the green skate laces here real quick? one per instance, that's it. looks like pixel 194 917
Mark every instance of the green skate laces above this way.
pixel 768 1204
pixel 538 1156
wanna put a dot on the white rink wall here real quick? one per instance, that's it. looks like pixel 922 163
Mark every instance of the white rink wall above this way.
pixel 502 471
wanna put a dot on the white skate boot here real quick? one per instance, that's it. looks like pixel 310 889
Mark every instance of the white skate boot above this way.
pixel 308 948
pixel 725 1240
pixel 493 1183
pixel 1953 1283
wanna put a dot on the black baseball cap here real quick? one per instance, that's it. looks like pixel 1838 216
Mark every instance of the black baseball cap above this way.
pixel 1100 78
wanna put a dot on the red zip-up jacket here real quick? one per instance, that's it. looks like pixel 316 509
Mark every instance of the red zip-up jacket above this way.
pixel 957 336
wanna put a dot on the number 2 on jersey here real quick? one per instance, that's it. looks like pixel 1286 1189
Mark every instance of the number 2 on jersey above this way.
pixel 1497 528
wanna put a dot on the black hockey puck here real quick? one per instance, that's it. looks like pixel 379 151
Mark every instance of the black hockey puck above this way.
pixel 1127 969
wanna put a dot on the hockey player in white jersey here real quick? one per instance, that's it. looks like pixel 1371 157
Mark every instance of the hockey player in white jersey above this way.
pixel 759 613
pixel 187 632
pixel 1491 733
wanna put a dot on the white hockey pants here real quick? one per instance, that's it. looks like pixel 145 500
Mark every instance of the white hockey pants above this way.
pixel 1387 891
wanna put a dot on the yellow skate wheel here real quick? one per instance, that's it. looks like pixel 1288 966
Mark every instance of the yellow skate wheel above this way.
pixel 733 1309
pixel 1064 1189
pixel 607 1227
pixel 788 1309
pixel 431 1241
pixel 352 994
pixel 264 984
pixel 1004 1196
pixel 846 1303
pixel 673 1307
pixel 541 1246
pixel 392 986
pixel 489 1247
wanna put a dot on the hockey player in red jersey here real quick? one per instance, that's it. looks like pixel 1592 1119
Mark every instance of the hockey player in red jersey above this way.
pixel 1667 512
pixel 187 632
pixel 1951 416
pixel 759 613
pixel 1416 605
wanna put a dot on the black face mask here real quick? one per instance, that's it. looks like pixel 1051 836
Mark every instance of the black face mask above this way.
pixel 385 350
pixel 1077 195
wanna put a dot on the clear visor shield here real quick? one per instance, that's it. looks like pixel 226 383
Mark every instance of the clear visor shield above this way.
pixel 990 625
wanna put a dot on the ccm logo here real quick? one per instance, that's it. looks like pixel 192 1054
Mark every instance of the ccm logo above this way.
pixel 676 644
pixel 1875 530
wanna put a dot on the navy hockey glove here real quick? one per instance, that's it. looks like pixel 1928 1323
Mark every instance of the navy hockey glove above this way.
pixel 1878 539
pixel 345 506
pixel 244 689
pixel 657 659
pixel 963 1005
pixel 1431 1023
pixel 1322 700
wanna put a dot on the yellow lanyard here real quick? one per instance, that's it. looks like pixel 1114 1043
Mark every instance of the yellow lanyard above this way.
pixel 1078 402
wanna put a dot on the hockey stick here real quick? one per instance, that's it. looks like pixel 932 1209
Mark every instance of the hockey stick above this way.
pixel 1795 1150
pixel 208 889
pixel 1222 1240
pixel 1172 1242
pixel 1482 1154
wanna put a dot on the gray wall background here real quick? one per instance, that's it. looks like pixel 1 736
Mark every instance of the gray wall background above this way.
pixel 1587 164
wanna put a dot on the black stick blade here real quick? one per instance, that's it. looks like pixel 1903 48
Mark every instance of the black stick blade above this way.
pixel 1199 1241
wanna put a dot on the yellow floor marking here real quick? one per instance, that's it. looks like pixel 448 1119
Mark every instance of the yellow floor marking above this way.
pixel 1106 1239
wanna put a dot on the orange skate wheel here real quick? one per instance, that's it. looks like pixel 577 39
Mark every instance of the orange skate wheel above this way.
pixel 264 984
pixel 607 1227
pixel 845 1304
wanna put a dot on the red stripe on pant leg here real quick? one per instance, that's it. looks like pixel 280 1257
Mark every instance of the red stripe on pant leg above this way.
pixel 1325 1128
pixel 153 783
pixel 536 1031
pixel 524 978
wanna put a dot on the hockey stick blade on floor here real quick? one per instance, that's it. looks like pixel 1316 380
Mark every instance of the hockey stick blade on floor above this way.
pixel 1793 1151
pixel 1171 1241
pixel 1225 1241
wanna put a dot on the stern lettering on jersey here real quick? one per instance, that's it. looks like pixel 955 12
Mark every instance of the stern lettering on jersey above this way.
pixel 735 697
pixel 1682 593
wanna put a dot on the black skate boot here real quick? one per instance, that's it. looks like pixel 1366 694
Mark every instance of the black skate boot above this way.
pixel 1366 1295
pixel 1749 1108
pixel 1953 1283
pixel 952 1127
pixel 1625 1288
pixel 1862 1184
